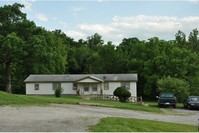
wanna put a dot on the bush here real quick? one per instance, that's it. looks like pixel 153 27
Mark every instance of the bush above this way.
pixel 122 93
pixel 58 92
pixel 179 87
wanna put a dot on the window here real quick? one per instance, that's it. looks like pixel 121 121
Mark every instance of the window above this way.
pixel 74 86
pixel 126 85
pixel 56 86
pixel 36 86
pixel 106 86
pixel 94 86
pixel 86 88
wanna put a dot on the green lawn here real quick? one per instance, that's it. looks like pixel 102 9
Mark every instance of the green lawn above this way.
pixel 13 99
pixel 117 124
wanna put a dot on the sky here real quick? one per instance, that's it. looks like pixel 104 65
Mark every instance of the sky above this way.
pixel 114 20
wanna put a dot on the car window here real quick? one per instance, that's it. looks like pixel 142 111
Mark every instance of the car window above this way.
pixel 166 95
pixel 194 99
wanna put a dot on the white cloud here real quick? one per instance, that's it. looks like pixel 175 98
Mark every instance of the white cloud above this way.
pixel 76 34
pixel 41 17
pixel 152 23
pixel 28 4
pixel 97 28
pixel 190 19
pixel 140 26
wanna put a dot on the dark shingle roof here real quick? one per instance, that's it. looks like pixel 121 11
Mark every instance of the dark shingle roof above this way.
pixel 76 77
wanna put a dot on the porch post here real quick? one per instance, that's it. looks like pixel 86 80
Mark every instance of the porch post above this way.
pixel 101 90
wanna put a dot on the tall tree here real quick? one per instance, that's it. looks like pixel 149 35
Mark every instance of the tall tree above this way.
pixel 181 39
pixel 10 17
pixel 11 44
pixel 194 40
pixel 11 47
pixel 95 41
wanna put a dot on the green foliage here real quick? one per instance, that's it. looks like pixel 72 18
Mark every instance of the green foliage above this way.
pixel 179 87
pixel 34 50
pixel 58 91
pixel 122 93
pixel 95 42
pixel 117 124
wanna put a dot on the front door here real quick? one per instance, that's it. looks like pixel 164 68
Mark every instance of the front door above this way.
pixel 86 89
pixel 94 89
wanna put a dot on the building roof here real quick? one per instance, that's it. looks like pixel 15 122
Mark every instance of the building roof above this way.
pixel 76 77
pixel 91 77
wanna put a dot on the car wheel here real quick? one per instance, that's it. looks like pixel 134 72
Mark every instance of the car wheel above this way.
pixel 159 105
pixel 174 106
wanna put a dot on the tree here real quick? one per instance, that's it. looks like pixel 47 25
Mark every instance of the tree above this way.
pixel 122 93
pixel 11 44
pixel 181 39
pixel 79 60
pixel 11 48
pixel 10 17
pixel 107 56
pixel 127 44
pixel 179 87
pixel 95 41
pixel 194 84
pixel 194 40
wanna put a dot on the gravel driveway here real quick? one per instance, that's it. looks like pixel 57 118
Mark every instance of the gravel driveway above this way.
pixel 75 118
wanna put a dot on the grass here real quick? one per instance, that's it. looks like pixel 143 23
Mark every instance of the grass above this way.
pixel 13 99
pixel 117 124
pixel 130 106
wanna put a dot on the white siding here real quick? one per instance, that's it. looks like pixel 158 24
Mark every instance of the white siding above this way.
pixel 81 88
pixel 114 85
pixel 68 88
pixel 133 89
pixel 46 88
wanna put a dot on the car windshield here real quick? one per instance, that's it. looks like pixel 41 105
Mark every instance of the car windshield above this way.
pixel 166 95
pixel 194 98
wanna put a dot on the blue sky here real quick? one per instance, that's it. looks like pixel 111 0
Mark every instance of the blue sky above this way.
pixel 114 19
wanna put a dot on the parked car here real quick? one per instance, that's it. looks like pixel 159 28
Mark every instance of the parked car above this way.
pixel 166 99
pixel 191 102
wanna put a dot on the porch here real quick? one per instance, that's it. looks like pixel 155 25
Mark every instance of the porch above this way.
pixel 89 86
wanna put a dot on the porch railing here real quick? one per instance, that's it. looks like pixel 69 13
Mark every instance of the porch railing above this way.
pixel 114 98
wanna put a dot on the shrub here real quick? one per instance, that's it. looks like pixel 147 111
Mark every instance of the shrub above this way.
pixel 58 92
pixel 179 87
pixel 122 93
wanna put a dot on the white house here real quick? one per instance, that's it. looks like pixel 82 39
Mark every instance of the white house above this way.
pixel 82 84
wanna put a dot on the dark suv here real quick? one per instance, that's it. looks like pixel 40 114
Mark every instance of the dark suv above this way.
pixel 166 99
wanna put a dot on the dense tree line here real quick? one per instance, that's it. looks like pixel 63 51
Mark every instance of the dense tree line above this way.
pixel 28 49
